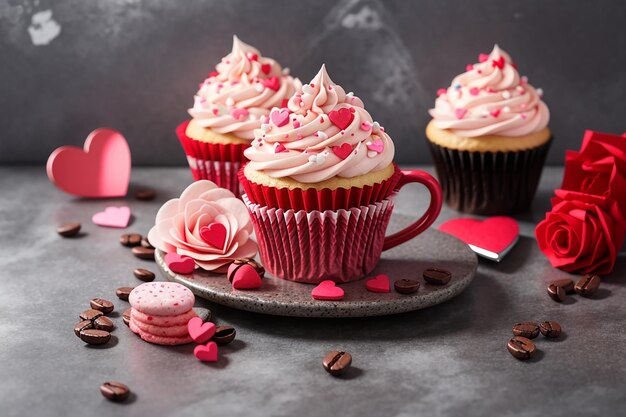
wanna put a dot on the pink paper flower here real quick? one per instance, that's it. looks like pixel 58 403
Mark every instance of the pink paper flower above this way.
pixel 208 224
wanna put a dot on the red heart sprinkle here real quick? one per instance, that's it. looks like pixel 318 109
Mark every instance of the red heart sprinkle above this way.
pixel 495 113
pixel 213 74
pixel 279 148
pixel 272 83
pixel 266 68
pixel 483 57
pixel 341 118
pixel 441 91
pixel 342 151
pixel 206 353
pixel 498 63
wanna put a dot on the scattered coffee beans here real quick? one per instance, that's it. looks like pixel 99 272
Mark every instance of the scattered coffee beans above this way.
pixel 131 239
pixel 245 261
pixel 123 293
pixel 437 276
pixel 114 391
pixel 69 229
pixel 126 316
pixel 90 314
pixel 566 284
pixel 336 363
pixel 83 325
pixel 550 329
pixel 587 285
pixel 146 194
pixel 224 335
pixel 95 337
pixel 521 347
pixel 527 329
pixel 144 274
pixel 146 243
pixel 143 253
pixel 406 286
pixel 556 293
pixel 103 323
pixel 101 304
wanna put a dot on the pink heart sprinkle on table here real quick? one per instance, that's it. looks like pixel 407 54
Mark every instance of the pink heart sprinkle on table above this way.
pixel 206 353
pixel 118 217
pixel 200 331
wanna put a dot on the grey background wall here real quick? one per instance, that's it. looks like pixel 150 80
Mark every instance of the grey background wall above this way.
pixel 69 66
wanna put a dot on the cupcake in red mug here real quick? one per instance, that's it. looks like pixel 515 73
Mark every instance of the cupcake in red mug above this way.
pixel 229 105
pixel 320 185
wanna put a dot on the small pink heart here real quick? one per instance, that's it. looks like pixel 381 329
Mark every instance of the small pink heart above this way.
pixel 272 83
pixel 280 117
pixel 327 291
pixel 341 118
pixel 495 113
pixel 239 113
pixel 380 283
pixel 266 68
pixel 366 126
pixel 112 217
pixel 245 277
pixel 342 151
pixel 460 113
pixel 474 91
pixel 199 331
pixel 206 353
pixel 483 57
pixel 180 264
pixel 279 148
pixel 214 234
pixel 376 146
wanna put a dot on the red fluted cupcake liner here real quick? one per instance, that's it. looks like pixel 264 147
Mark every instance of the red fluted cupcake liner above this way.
pixel 313 246
pixel 311 199
pixel 217 162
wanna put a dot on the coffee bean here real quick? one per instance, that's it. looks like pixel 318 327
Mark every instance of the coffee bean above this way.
pixel 245 261
pixel 556 293
pixel 550 328
pixel 587 285
pixel 406 286
pixel 521 347
pixel 437 276
pixel 90 314
pixel 69 229
pixel 83 325
pixel 336 363
pixel 95 337
pixel 143 253
pixel 101 304
pixel 145 194
pixel 224 335
pixel 131 239
pixel 126 316
pixel 144 274
pixel 566 284
pixel 123 292
pixel 146 243
pixel 527 329
pixel 103 323
pixel 114 391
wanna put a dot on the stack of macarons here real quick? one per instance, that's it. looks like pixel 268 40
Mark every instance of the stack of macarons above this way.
pixel 160 312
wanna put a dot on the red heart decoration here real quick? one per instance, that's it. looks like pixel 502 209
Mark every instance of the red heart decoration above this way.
pixel 495 113
pixel 380 283
pixel 179 264
pixel 498 63
pixel 327 291
pixel 199 331
pixel 214 234
pixel 272 83
pixel 341 118
pixel 494 234
pixel 279 148
pixel 245 277
pixel 100 169
pixel 342 151
pixel 206 353
pixel 266 68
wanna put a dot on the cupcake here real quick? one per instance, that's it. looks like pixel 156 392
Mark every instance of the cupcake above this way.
pixel 489 137
pixel 318 186
pixel 229 105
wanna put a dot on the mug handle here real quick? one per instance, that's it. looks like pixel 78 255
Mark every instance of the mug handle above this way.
pixel 429 216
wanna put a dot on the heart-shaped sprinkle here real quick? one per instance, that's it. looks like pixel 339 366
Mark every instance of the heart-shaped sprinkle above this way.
pixel 239 113
pixel 378 284
pixel 279 147
pixel 214 234
pixel 341 118
pixel 199 331
pixel 272 83
pixel 483 57
pixel 206 353
pixel 118 217
pixel 244 277
pixel 441 92
pixel 327 291
pixel 266 68
pixel 498 63
pixel 469 67
pixel 376 145
pixel 317 159
pixel 252 56
pixel 366 126
pixel 495 113
pixel 280 117
pixel 179 264
pixel 342 151
pixel 460 113
pixel 296 124
pixel 474 91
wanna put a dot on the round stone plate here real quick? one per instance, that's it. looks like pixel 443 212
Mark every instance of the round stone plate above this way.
pixel 287 298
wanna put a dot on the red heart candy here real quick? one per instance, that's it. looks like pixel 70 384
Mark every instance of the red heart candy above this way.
pixel 498 63
pixel 495 234
pixel 206 353
pixel 342 151
pixel 199 331
pixel 179 264
pixel 272 83
pixel 214 234
pixel 112 217
pixel 245 277
pixel 266 68
pixel 341 118
pixel 380 283
pixel 280 117
pixel 327 291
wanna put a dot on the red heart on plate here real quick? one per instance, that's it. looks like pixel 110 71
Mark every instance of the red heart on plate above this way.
pixel 112 217
pixel 179 264
pixel 245 277
pixel 199 331
pixel 380 283
pixel 342 151
pixel 214 234
pixel 341 118
pixel 327 291
pixel 495 234
pixel 206 353
pixel 100 169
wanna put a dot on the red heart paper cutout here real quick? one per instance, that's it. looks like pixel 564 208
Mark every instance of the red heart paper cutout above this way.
pixel 245 277
pixel 102 169
pixel 327 291
pixel 380 283
pixel 112 217
pixel 179 264
pixel 206 353
pixel 199 331
pixel 494 234
pixel 341 118
pixel 214 234
pixel 342 151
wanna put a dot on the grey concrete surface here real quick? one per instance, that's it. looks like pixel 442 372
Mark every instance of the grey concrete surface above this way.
pixel 449 360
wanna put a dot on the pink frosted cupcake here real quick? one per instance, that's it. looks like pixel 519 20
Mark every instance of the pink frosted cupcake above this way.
pixel 228 107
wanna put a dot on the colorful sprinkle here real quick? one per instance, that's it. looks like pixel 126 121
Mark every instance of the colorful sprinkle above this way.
pixel 483 57
pixel 441 92
pixel 498 63
pixel 474 91
pixel 469 67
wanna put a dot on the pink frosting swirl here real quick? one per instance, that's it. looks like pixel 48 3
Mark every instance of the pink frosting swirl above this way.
pixel 199 221
pixel 245 87
pixel 323 133
pixel 491 99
